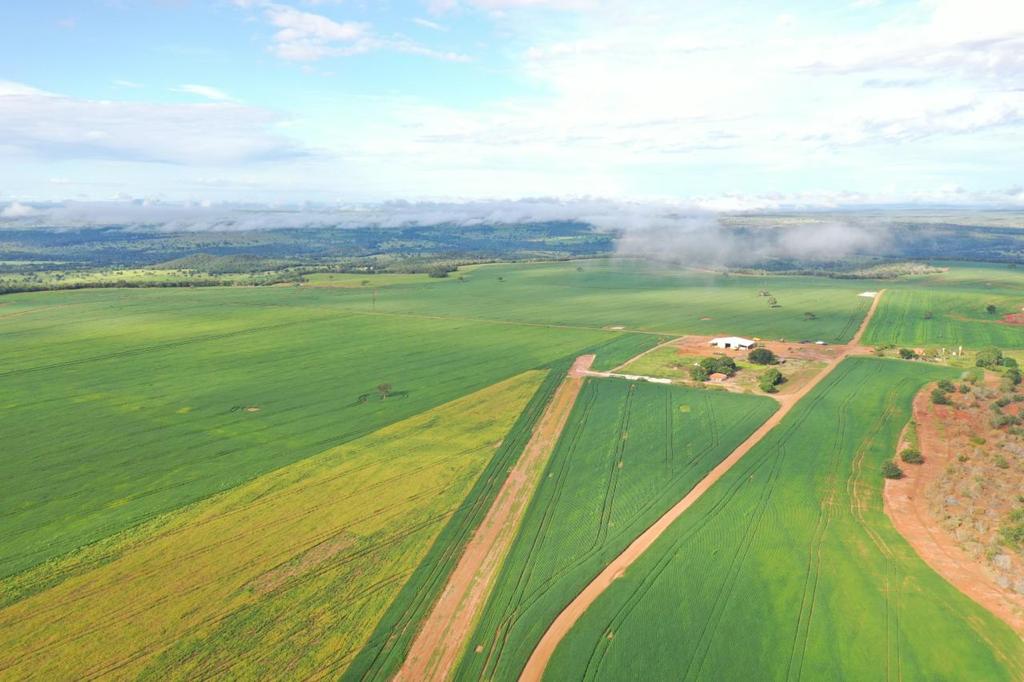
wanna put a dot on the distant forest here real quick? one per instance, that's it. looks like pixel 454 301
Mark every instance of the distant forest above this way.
pixel 427 248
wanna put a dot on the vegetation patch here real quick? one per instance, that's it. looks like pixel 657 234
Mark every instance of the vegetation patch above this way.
pixel 766 571
pixel 289 571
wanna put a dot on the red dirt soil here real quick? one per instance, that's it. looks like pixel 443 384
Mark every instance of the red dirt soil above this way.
pixel 906 503
pixel 1014 318
pixel 442 637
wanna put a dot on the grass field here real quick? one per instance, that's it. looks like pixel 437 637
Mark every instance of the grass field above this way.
pixel 117 406
pixel 289 572
pixel 667 362
pixel 612 293
pixel 629 451
pixel 949 309
pixel 356 280
pixel 789 568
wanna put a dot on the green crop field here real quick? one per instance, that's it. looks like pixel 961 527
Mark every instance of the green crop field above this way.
pixel 949 309
pixel 116 405
pixel 635 295
pixel 291 570
pixel 629 451
pixel 788 567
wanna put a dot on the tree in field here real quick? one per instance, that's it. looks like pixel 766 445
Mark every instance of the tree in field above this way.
pixel 928 315
pixel 891 470
pixel 772 301
pixel 762 356
pixel 939 397
pixel 384 390
pixel 808 316
pixel 698 373
pixel 907 354
pixel 990 309
pixel 990 357
pixel 946 385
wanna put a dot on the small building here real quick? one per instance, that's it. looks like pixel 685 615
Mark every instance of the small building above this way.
pixel 717 377
pixel 733 342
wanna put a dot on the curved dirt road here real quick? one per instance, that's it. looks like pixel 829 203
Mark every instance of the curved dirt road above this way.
pixel 558 629
pixel 906 504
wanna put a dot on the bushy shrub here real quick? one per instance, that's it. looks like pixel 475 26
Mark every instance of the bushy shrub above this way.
pixel 698 373
pixel 907 354
pixel 891 470
pixel 911 456
pixel 946 385
pixel 770 380
pixel 939 397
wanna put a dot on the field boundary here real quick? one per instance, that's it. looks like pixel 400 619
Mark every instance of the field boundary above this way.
pixel 444 632
pixel 561 626
pixel 906 505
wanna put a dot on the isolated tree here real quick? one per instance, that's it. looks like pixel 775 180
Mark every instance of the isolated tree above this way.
pixel 772 301
pixel 384 390
pixel 990 309
pixel 770 380
pixel 912 456
pixel 891 470
pixel 928 315
pixel 762 356
pixel 579 268
pixel 808 316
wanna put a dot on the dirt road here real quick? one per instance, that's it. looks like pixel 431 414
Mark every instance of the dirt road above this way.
pixel 906 503
pixel 439 642
pixel 535 667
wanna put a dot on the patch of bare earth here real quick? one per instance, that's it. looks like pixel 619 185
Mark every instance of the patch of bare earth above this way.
pixel 1014 318
pixel 951 508
pixel 444 633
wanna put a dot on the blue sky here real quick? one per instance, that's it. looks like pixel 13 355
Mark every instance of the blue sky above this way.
pixel 727 104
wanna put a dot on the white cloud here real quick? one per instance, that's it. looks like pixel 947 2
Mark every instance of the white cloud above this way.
pixel 426 23
pixel 306 36
pixel 49 126
pixel 206 91
pixel 17 210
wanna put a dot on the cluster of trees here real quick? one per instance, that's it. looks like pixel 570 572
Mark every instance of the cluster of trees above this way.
pixel 717 364
pixel 763 356
pixel 993 357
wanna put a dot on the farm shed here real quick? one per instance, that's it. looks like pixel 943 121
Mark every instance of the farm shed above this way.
pixel 733 342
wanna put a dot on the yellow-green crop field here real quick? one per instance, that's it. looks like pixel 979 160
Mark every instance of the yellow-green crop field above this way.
pixel 291 570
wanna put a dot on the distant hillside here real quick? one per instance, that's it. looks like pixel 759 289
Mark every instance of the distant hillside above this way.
pixel 216 265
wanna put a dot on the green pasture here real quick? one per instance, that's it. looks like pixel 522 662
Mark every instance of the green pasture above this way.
pixel 789 568
pixel 118 405
pixel 629 451
pixel 949 309
pixel 636 295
